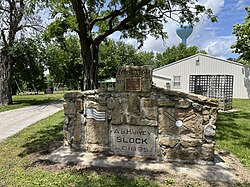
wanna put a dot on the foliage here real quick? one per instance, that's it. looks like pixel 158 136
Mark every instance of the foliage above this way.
pixel 29 67
pixel 27 100
pixel 94 21
pixel 169 182
pixel 233 131
pixel 242 33
pixel 64 62
pixel 243 61
pixel 175 53
pixel 18 167
pixel 17 18
pixel 114 54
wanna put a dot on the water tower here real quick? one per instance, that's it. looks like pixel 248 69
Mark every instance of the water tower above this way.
pixel 184 31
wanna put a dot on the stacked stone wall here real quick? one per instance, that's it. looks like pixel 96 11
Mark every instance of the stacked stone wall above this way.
pixel 160 124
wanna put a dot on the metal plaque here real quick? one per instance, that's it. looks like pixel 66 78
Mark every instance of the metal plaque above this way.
pixel 133 84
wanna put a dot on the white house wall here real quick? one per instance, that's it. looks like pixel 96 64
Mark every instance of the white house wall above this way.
pixel 161 81
pixel 208 65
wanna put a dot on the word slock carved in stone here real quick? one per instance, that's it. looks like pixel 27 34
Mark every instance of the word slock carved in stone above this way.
pixel 138 119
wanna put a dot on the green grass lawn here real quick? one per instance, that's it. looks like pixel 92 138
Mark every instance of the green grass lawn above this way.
pixel 19 165
pixel 233 131
pixel 20 101
pixel 19 168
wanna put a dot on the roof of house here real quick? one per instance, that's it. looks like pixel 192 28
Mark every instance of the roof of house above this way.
pixel 200 54
pixel 162 77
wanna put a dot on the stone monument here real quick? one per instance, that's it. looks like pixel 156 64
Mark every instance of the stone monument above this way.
pixel 140 120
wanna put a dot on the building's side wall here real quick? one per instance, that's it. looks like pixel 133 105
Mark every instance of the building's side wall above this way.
pixel 161 82
pixel 208 66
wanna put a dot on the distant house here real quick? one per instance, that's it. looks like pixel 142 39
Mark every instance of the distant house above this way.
pixel 181 75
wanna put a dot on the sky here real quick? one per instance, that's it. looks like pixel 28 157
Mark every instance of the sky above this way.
pixel 215 38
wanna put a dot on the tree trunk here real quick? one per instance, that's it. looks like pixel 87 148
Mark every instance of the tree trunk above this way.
pixel 90 59
pixel 5 79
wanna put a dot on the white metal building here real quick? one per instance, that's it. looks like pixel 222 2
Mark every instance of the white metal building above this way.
pixel 176 75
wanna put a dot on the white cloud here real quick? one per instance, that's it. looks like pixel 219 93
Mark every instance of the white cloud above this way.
pixel 221 46
pixel 215 5
pixel 240 5
pixel 204 35
pixel 198 33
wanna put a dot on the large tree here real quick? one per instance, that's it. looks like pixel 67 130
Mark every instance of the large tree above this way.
pixel 15 16
pixel 242 33
pixel 96 20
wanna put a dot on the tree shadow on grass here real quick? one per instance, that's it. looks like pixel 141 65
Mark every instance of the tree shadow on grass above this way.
pixel 44 141
pixel 228 129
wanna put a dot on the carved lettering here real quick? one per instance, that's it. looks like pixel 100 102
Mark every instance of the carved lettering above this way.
pixel 132 140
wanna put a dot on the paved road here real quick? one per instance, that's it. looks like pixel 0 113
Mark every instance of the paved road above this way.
pixel 14 121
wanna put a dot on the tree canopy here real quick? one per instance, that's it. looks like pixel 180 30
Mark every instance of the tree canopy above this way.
pixel 175 53
pixel 242 33
pixel 114 54
pixel 16 16
pixel 64 62
pixel 29 55
pixel 95 20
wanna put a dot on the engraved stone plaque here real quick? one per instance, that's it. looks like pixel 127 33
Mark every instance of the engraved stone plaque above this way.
pixel 130 140
pixel 134 79
pixel 133 84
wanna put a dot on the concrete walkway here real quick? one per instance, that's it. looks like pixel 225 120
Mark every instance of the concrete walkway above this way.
pixel 226 168
pixel 13 121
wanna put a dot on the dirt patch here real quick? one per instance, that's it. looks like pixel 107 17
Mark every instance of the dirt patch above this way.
pixel 241 174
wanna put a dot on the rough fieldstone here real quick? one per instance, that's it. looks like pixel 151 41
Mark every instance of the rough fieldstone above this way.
pixel 209 130
pixel 95 105
pixel 206 119
pixel 134 105
pixel 207 152
pixel 120 106
pixel 168 141
pixel 73 95
pixel 190 142
pixel 146 122
pixel 187 154
pixel 69 108
pixel 77 131
pixel 66 119
pixel 96 132
pixel 183 103
pixel 79 104
pixel 110 103
pixel 167 122
pixel 150 113
pixel 193 126
pixel 197 106
pixel 165 103
pixel 134 120
pixel 95 148
pixel 148 102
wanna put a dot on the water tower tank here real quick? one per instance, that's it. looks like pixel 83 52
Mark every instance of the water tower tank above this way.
pixel 184 31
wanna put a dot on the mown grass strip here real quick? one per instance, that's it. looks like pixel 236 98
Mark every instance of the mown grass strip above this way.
pixel 233 131
pixel 20 101
pixel 18 168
